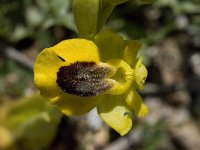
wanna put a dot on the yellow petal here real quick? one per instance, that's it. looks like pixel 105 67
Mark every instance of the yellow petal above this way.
pixel 45 69
pixel 64 53
pixel 77 50
pixel 74 105
pixel 116 113
pixel 134 100
pixel 140 74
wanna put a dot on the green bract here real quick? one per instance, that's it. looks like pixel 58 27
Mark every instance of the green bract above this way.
pixel 91 15
pixel 86 16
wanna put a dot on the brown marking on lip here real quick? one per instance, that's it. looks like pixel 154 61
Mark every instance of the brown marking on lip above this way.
pixel 83 79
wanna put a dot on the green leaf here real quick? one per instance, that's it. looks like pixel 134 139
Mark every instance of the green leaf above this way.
pixel 30 119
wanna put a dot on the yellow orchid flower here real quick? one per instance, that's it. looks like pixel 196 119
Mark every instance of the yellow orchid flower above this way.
pixel 78 75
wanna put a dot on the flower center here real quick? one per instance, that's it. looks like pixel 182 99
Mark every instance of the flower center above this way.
pixel 122 76
pixel 83 79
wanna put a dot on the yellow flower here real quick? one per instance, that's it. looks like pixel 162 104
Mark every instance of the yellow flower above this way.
pixel 78 75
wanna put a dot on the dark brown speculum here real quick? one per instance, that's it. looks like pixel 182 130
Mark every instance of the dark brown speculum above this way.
pixel 83 79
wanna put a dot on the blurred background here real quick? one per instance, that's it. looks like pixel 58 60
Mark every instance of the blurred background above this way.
pixel 170 32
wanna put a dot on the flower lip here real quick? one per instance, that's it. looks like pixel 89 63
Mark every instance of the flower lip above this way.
pixel 83 79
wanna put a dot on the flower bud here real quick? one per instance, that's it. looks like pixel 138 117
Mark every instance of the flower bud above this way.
pixel 86 17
